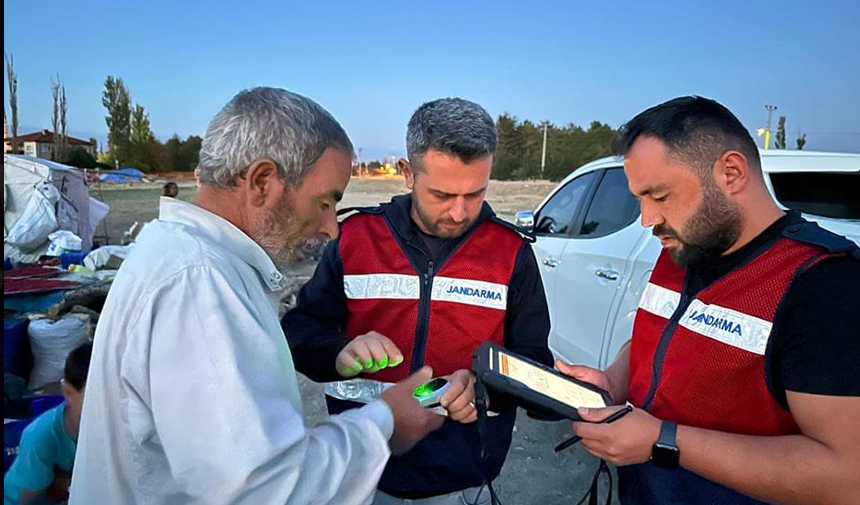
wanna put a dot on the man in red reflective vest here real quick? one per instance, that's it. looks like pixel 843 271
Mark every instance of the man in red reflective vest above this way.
pixel 423 280
pixel 743 360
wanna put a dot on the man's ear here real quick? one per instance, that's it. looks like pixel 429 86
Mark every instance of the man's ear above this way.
pixel 262 182
pixel 732 172
pixel 408 173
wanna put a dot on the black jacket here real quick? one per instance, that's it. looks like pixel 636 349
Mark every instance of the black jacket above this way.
pixel 448 459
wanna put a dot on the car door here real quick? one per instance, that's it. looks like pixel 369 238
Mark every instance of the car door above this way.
pixel 554 227
pixel 593 268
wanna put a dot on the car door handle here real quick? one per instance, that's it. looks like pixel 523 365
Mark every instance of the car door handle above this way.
pixel 550 262
pixel 611 275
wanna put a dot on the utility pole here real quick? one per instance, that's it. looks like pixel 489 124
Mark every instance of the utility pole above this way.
pixel 770 109
pixel 543 152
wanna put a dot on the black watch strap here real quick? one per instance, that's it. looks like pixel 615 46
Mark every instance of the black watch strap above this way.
pixel 668 431
pixel 665 453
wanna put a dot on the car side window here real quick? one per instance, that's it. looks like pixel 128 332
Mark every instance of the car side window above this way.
pixel 612 208
pixel 556 217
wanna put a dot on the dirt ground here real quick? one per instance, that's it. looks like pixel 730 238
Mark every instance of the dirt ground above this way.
pixel 139 202
pixel 533 473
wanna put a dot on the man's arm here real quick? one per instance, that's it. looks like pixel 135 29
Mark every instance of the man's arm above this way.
pixel 227 426
pixel 817 467
pixel 526 319
pixel 527 316
pixel 314 327
pixel 815 360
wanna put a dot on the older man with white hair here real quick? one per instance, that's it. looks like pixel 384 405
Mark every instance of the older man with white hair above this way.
pixel 192 396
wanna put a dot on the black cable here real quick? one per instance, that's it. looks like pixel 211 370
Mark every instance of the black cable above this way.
pixel 592 494
pixel 481 407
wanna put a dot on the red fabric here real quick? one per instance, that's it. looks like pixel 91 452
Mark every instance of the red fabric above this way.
pixel 27 272
pixel 34 285
pixel 705 382
pixel 455 330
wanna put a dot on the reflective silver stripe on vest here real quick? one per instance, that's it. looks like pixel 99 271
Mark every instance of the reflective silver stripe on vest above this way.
pixel 408 287
pixel 388 286
pixel 357 390
pixel 728 326
pixel 659 300
pixel 470 292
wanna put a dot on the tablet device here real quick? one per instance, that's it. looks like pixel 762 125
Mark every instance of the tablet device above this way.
pixel 534 383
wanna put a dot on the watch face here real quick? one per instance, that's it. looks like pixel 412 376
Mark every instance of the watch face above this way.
pixel 665 456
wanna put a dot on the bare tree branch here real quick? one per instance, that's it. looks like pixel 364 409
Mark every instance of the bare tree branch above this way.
pixel 12 78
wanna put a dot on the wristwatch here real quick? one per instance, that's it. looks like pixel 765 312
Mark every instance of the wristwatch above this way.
pixel 665 453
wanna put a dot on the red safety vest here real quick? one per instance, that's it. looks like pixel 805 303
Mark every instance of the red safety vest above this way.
pixel 701 362
pixel 452 310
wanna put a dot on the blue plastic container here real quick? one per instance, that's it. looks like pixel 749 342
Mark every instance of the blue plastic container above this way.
pixel 11 440
pixel 43 403
pixel 15 346
pixel 72 258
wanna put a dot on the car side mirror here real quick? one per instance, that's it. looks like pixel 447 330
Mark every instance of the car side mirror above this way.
pixel 525 219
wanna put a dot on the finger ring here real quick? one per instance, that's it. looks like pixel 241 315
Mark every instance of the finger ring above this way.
pixel 472 404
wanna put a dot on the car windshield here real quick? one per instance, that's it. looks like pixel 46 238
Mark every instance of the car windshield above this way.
pixel 835 195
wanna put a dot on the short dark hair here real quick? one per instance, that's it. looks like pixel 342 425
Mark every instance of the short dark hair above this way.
pixel 695 129
pixel 171 189
pixel 78 365
pixel 452 125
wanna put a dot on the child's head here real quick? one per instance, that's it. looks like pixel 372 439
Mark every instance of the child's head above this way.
pixel 171 190
pixel 75 379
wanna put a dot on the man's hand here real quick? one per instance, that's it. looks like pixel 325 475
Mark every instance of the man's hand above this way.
pixel 459 400
pixel 626 441
pixel 412 422
pixel 368 353
pixel 587 374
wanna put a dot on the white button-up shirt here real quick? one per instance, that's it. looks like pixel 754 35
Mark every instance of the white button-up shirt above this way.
pixel 192 397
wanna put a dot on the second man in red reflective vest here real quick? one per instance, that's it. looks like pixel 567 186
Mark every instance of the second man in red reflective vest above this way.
pixel 423 280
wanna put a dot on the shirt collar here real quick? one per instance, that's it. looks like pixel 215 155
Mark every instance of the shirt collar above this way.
pixel 225 234
pixel 399 214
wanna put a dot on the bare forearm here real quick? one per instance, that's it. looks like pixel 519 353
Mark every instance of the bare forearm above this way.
pixel 619 374
pixel 792 469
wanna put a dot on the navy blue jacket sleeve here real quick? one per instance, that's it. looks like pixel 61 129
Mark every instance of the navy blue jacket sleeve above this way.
pixel 314 328
pixel 526 319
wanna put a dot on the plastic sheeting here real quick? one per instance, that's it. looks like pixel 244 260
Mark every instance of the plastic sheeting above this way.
pixel 52 341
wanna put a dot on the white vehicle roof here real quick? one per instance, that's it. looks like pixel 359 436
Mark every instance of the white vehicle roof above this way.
pixel 772 161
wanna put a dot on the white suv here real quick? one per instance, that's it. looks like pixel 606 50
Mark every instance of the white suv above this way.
pixel 595 257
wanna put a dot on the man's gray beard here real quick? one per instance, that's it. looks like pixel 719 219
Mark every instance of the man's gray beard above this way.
pixel 277 234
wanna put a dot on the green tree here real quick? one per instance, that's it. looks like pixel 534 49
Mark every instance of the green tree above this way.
pixel 117 100
pixel 182 154
pixel 801 141
pixel 780 134
pixel 509 148
pixel 12 80
pixel 79 157
pixel 518 153
pixel 140 130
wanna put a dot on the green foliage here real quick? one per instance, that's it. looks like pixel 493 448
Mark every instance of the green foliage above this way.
pixel 182 154
pixel 79 157
pixel 117 100
pixel 140 131
pixel 131 141
pixel 779 143
pixel 801 141
pixel 518 153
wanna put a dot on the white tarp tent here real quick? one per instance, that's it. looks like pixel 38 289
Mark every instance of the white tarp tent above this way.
pixel 22 176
